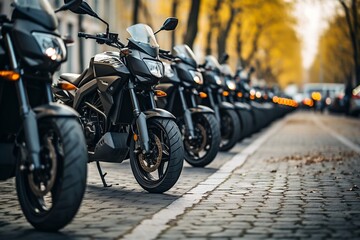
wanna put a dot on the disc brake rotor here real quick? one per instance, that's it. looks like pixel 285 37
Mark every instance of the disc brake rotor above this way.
pixel 199 145
pixel 41 188
pixel 150 165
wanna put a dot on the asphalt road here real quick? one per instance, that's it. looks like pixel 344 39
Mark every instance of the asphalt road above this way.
pixel 299 178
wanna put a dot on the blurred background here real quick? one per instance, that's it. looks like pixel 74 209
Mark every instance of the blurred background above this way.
pixel 300 46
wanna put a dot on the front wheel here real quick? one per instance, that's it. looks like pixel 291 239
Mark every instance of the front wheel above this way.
pixel 230 129
pixel 160 170
pixel 203 149
pixel 51 197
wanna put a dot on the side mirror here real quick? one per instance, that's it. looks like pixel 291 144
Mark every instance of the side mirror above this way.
pixel 251 70
pixel 83 8
pixel 70 5
pixel 169 24
pixel 224 58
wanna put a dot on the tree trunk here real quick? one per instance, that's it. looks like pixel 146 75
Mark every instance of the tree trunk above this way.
pixel 192 24
pixel 136 8
pixel 240 63
pixel 175 4
pixel 353 25
pixel 213 24
pixel 223 33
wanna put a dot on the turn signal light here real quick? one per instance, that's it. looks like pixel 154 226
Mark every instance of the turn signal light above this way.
pixel 67 86
pixel 9 75
pixel 136 137
pixel 160 93
pixel 239 94
pixel 225 93
pixel 202 95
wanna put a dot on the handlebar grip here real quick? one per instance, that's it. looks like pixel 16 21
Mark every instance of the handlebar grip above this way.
pixel 82 34
pixel 163 51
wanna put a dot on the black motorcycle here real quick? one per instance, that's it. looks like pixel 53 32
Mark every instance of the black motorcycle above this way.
pixel 115 99
pixel 214 83
pixel 41 143
pixel 200 129
pixel 232 94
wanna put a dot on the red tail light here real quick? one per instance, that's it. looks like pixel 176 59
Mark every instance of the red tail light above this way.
pixel 357 96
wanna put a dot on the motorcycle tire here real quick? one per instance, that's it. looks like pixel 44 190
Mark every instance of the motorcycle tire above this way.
pixel 51 204
pixel 208 131
pixel 162 172
pixel 230 129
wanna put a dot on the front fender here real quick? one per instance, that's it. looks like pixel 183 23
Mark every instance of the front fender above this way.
pixel 158 112
pixel 226 105
pixel 55 110
pixel 201 109
pixel 242 106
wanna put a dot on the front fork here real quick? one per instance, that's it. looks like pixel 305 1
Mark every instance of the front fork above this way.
pixel 189 125
pixel 214 106
pixel 140 120
pixel 27 115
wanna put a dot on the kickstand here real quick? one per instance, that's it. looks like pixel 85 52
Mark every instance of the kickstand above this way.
pixel 102 176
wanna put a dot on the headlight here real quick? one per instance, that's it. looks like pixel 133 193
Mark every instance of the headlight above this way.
pixel 231 85
pixel 156 68
pixel 197 77
pixel 217 80
pixel 52 46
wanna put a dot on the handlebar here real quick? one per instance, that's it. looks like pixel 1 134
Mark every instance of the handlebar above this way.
pixel 103 38
pixel 166 55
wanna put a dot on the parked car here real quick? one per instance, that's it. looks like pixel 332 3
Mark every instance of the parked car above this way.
pixel 354 106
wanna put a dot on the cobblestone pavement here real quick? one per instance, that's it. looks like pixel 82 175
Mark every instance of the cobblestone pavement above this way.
pixel 301 182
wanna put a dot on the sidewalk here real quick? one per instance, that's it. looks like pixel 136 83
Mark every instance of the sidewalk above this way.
pixel 302 183
pixel 294 180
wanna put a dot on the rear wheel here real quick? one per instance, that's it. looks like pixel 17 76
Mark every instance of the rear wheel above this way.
pixel 202 150
pixel 51 197
pixel 160 170
pixel 230 129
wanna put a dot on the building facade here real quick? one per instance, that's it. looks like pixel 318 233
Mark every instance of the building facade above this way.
pixel 79 53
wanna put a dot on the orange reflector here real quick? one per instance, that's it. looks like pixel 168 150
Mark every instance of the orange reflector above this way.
pixel 10 75
pixel 135 137
pixel 239 94
pixel 225 93
pixel 67 86
pixel 202 95
pixel 160 93
pixel 125 51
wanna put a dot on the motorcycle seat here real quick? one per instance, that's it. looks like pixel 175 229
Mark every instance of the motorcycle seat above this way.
pixel 71 77
pixel 74 78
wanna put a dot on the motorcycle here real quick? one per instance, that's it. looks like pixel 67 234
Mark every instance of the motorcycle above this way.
pixel 232 94
pixel 115 99
pixel 199 126
pixel 225 112
pixel 41 142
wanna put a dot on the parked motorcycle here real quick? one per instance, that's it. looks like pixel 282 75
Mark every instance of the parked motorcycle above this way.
pixel 41 142
pixel 200 129
pixel 232 94
pixel 115 99
pixel 230 124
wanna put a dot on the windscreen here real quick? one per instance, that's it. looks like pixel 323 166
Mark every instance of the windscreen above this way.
pixel 212 62
pixel 183 51
pixel 39 11
pixel 226 70
pixel 42 5
pixel 142 33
